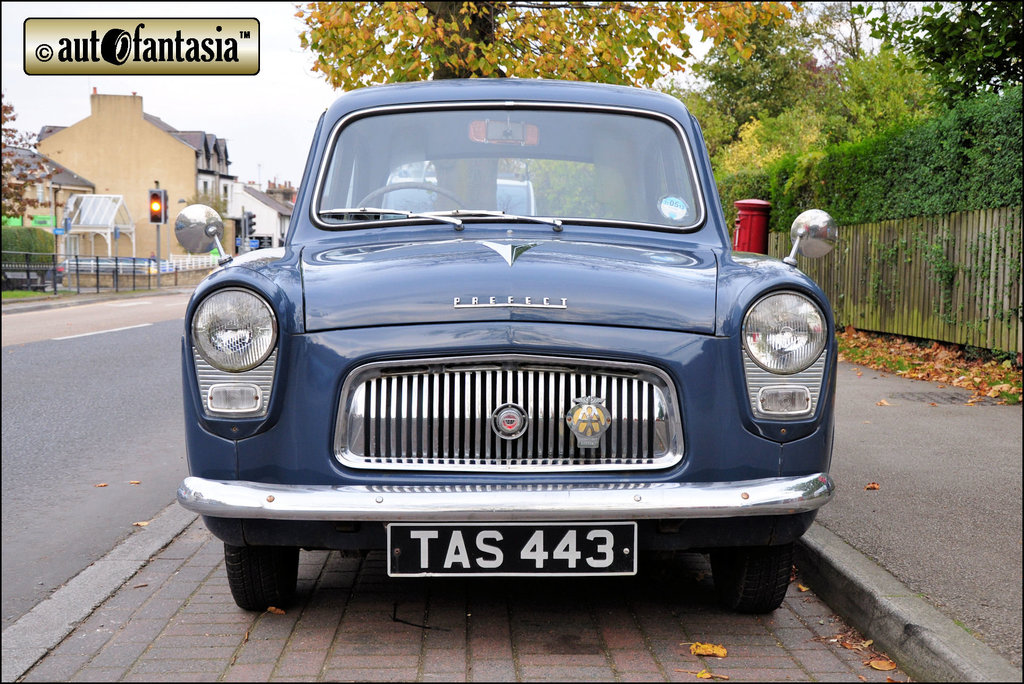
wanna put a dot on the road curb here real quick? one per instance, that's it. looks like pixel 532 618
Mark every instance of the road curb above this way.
pixel 20 306
pixel 925 643
pixel 34 634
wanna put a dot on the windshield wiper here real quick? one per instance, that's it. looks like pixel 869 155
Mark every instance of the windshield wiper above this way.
pixel 453 217
pixel 371 211
pixel 482 213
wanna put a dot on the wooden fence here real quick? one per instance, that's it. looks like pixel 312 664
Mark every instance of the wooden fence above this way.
pixel 954 278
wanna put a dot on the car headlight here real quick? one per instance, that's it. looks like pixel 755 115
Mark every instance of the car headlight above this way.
pixel 784 332
pixel 234 330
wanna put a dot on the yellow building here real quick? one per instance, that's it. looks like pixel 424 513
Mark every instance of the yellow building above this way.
pixel 54 184
pixel 125 151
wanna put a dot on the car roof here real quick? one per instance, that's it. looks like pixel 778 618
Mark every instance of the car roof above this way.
pixel 502 90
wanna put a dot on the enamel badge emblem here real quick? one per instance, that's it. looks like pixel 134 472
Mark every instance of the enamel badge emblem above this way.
pixel 588 419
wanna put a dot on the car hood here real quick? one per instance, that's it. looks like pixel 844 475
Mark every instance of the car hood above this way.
pixel 465 280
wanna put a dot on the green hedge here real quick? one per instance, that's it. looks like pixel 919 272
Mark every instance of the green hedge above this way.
pixel 969 158
pixel 28 239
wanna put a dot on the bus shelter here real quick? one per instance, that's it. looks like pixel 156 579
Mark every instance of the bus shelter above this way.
pixel 104 216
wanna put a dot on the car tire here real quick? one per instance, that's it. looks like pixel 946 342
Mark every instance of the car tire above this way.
pixel 261 576
pixel 753 579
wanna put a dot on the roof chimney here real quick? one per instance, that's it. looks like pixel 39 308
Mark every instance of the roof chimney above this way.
pixel 94 90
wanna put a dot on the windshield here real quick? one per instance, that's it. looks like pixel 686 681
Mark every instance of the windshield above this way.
pixel 561 164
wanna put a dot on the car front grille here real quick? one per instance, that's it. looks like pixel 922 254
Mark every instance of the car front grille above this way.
pixel 437 415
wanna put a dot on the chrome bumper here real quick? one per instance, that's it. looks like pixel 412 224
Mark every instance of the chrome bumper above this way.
pixel 769 496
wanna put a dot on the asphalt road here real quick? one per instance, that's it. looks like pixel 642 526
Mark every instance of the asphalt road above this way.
pixel 79 411
pixel 946 518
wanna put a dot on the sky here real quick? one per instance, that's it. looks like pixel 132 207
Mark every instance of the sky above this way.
pixel 267 119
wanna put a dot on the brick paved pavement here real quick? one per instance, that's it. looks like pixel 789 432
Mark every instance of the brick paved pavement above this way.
pixel 175 621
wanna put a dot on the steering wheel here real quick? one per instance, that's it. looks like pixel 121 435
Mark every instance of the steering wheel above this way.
pixel 410 185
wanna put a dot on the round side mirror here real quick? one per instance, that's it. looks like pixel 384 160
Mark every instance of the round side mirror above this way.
pixel 198 228
pixel 814 233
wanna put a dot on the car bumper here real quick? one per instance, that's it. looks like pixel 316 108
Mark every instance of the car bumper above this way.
pixel 255 500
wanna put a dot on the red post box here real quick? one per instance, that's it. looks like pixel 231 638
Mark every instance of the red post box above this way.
pixel 751 226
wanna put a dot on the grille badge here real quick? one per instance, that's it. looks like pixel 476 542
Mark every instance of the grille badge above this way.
pixel 588 419
pixel 509 421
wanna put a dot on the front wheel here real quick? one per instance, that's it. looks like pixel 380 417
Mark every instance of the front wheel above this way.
pixel 261 576
pixel 754 579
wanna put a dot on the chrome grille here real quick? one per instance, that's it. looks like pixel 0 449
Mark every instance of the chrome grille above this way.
pixel 262 376
pixel 757 377
pixel 436 415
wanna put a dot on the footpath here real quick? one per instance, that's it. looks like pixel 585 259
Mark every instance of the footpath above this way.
pixel 927 566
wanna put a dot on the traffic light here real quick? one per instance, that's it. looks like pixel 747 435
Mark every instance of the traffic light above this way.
pixel 249 223
pixel 158 206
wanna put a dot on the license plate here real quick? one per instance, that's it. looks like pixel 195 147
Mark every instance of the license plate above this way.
pixel 511 549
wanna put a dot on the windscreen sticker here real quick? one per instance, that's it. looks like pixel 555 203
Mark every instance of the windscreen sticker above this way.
pixel 674 208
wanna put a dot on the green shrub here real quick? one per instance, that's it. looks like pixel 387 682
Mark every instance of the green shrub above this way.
pixel 968 158
pixel 27 239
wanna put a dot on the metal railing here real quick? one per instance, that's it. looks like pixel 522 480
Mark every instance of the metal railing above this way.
pixel 29 271
pixel 51 272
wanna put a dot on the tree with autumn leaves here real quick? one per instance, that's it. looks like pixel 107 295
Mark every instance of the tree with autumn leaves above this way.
pixel 20 169
pixel 627 43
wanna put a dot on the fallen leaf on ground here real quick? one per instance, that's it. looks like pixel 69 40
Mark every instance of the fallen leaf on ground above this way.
pixel 883 402
pixel 802 587
pixel 715 650
pixel 101 484
pixel 140 524
pixel 855 645
pixel 134 481
pixel 873 485
pixel 945 364
pixel 275 610
pixel 883 664
pixel 704 674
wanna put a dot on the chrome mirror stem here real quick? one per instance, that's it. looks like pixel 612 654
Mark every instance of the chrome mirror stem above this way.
pixel 791 259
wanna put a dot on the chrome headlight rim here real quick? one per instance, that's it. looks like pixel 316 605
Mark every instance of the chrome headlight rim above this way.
pixel 818 345
pixel 205 353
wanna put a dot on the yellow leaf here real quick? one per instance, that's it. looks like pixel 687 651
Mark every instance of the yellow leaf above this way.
pixel 140 524
pixel 883 664
pixel 275 610
pixel 802 587
pixel 101 484
pixel 715 650
pixel 883 402
pixel 134 482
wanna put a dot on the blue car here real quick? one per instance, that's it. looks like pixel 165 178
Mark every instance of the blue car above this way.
pixel 507 336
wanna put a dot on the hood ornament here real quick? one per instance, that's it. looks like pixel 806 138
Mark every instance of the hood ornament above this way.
pixel 507 251
pixel 589 420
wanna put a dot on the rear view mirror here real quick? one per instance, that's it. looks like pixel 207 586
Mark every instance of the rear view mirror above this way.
pixel 198 228
pixel 814 234
pixel 504 132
